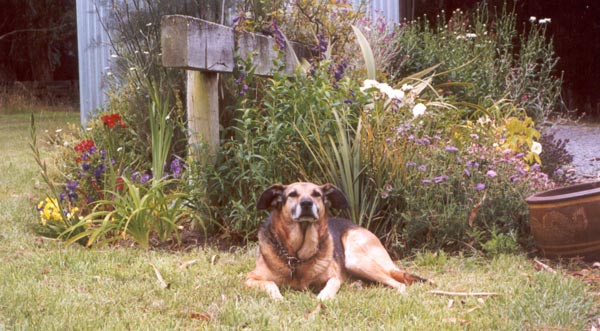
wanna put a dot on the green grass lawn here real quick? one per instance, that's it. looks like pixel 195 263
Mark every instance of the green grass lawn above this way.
pixel 46 286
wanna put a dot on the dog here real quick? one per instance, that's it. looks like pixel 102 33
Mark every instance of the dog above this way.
pixel 302 248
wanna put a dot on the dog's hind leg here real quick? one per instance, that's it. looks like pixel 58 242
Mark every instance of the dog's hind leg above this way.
pixel 365 257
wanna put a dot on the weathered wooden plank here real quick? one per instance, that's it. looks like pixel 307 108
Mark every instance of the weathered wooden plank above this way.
pixel 196 44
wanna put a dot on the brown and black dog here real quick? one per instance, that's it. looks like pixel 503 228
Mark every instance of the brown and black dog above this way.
pixel 301 247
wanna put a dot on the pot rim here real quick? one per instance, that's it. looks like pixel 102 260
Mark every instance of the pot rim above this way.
pixel 565 193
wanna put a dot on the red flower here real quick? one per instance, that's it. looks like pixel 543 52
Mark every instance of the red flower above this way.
pixel 86 146
pixel 119 183
pixel 112 119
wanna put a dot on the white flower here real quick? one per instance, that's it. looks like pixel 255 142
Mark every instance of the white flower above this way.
pixel 418 110
pixel 471 35
pixel 58 130
pixel 369 83
pixel 390 91
pixel 407 87
pixel 536 148
pixel 532 19
pixel 544 21
pixel 114 56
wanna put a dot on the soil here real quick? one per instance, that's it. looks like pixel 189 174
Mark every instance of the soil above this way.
pixel 584 145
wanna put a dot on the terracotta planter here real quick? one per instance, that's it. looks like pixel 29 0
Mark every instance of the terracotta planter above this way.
pixel 565 222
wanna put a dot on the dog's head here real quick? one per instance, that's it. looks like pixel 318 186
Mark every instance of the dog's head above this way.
pixel 302 202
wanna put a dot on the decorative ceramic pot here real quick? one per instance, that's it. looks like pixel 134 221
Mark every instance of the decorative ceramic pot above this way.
pixel 565 222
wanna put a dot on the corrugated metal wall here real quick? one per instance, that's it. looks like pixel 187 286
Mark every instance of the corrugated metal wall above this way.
pixel 390 9
pixel 94 53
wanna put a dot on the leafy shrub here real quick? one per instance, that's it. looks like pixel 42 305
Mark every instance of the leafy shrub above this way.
pixel 266 143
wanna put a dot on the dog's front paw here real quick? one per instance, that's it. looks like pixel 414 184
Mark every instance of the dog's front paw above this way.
pixel 273 291
pixel 324 296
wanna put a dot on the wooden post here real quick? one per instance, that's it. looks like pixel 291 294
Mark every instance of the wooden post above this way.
pixel 203 112
pixel 205 49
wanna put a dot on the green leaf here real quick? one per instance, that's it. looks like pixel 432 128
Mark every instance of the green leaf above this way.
pixel 367 53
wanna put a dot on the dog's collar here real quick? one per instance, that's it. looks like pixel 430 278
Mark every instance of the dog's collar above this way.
pixel 291 261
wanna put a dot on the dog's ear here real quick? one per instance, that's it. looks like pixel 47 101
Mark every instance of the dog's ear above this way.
pixel 271 198
pixel 334 198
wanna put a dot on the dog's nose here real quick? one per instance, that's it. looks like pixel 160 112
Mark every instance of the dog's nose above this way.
pixel 306 203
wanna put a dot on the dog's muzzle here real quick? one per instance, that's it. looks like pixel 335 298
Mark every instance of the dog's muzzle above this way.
pixel 305 211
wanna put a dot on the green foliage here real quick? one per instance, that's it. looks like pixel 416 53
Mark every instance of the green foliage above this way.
pixel 134 211
pixel 485 50
pixel 267 142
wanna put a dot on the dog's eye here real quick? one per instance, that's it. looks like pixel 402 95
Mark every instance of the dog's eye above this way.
pixel 293 194
pixel 316 194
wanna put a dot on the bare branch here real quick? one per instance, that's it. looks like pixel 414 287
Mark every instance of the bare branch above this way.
pixel 31 30
pixel 465 294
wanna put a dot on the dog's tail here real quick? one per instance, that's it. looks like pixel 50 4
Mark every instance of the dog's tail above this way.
pixel 408 279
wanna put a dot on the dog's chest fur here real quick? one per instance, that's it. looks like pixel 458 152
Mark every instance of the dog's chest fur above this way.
pixel 300 255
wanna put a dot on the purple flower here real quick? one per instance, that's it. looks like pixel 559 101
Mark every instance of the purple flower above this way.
pixel 422 167
pixel 85 166
pixel 472 164
pixel 176 168
pixel 98 172
pixel 411 164
pixel 244 90
pixel 521 171
pixel 491 173
pixel 145 178
pixel 423 141
pixel 103 154
pixel 474 136
pixel 440 179
pixel 451 149
pixel 426 181
pixel 277 34
pixel 535 167
pixel 72 185
pixel 467 172
pixel 480 186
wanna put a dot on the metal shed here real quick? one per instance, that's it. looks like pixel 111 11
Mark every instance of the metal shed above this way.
pixel 94 54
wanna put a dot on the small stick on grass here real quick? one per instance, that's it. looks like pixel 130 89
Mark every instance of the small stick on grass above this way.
pixel 161 280
pixel 544 266
pixel 465 294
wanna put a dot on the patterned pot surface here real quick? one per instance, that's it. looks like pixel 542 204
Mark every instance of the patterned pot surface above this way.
pixel 565 222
